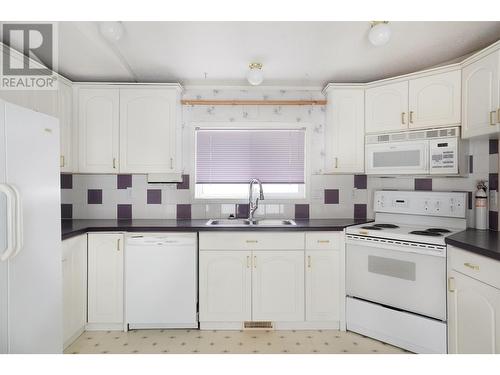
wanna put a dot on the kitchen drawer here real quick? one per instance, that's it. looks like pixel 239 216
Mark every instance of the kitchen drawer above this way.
pixel 323 240
pixel 477 266
pixel 251 241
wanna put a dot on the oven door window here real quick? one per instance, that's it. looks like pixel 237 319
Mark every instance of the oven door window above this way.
pixel 400 269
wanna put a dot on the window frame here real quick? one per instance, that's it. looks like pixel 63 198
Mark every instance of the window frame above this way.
pixel 257 125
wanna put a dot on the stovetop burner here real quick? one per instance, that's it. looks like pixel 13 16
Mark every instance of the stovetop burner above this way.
pixel 371 227
pixel 438 230
pixel 426 233
pixel 382 225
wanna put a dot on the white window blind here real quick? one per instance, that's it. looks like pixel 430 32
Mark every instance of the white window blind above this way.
pixel 274 156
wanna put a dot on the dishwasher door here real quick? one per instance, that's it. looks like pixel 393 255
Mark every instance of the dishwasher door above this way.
pixel 161 280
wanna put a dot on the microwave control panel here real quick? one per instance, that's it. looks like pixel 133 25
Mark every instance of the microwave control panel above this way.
pixel 443 156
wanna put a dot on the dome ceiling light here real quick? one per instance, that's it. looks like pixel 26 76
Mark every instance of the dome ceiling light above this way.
pixel 112 31
pixel 380 33
pixel 255 75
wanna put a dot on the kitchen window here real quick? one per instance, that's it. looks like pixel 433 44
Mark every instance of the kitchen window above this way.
pixel 227 159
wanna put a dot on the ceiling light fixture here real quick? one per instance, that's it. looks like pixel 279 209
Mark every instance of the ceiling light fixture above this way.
pixel 380 33
pixel 111 30
pixel 255 75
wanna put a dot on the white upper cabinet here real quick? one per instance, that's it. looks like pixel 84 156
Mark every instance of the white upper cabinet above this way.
pixel 481 97
pixel 148 119
pixel 387 108
pixel 65 113
pixel 435 100
pixel 345 130
pixel 98 129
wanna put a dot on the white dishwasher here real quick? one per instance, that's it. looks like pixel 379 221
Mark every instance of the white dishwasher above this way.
pixel 161 280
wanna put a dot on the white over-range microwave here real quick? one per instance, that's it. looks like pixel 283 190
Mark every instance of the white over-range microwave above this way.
pixel 420 152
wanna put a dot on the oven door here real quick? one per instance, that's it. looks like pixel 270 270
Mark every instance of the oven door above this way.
pixel 397 158
pixel 398 278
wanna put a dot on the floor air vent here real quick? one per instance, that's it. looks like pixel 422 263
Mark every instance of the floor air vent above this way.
pixel 258 325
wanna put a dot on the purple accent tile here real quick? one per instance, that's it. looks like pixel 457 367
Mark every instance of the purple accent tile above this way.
pixel 123 181
pixel 154 196
pixel 94 196
pixel 360 181
pixel 66 181
pixel 469 200
pixel 360 211
pixel 124 211
pixel 66 211
pixel 242 211
pixel 331 196
pixel 302 211
pixel 493 146
pixel 493 219
pixel 423 184
pixel 471 164
pixel 185 182
pixel 183 211
pixel 493 181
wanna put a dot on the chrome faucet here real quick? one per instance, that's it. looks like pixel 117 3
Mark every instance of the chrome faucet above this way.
pixel 252 206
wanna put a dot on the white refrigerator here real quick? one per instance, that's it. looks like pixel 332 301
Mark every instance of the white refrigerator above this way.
pixel 30 232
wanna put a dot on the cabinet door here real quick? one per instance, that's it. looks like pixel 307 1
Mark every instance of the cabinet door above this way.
pixel 65 112
pixel 278 285
pixel 473 316
pixel 74 287
pixel 345 131
pixel 435 100
pixel 147 130
pixel 387 108
pixel 105 278
pixel 225 286
pixel 322 285
pixel 480 96
pixel 98 128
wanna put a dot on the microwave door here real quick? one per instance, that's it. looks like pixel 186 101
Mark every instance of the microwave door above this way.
pixel 397 158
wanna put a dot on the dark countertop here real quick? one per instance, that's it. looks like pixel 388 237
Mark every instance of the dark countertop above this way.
pixel 72 228
pixel 483 242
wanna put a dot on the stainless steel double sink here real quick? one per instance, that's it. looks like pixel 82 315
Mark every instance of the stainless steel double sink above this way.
pixel 248 223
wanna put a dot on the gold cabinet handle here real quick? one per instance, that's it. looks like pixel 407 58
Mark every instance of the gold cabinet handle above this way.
pixel 492 113
pixel 411 117
pixel 114 163
pixel 403 121
pixel 254 261
pixel 498 115
pixel 252 241
pixel 62 160
pixel 336 159
pixel 118 245
pixel 171 163
pixel 451 284
pixel 323 241
pixel 472 266
pixel 308 261
pixel 248 261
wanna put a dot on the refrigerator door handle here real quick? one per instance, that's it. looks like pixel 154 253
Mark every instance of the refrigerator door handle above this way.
pixel 11 198
pixel 18 223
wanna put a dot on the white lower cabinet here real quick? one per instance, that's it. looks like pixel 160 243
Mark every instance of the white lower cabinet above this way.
pixel 278 285
pixel 74 270
pixel 225 286
pixel 105 281
pixel 322 285
pixel 473 303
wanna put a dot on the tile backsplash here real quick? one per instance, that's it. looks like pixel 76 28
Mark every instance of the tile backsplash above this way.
pixel 130 196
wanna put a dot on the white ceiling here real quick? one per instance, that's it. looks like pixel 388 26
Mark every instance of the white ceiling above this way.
pixel 293 53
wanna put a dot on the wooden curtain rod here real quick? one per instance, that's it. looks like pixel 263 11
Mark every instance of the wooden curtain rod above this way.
pixel 251 102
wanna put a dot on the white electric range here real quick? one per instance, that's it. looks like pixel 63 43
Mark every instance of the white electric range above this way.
pixel 396 268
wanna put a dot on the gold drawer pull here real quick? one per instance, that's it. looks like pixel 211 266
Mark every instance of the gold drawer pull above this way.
pixel 252 241
pixel 323 241
pixel 118 245
pixel 308 261
pixel 254 261
pixel 411 117
pixel 472 266
pixel 492 113
pixel 403 118
pixel 248 261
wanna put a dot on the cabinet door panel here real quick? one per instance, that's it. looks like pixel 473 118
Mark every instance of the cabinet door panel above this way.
pixel 278 285
pixel 435 100
pixel 480 96
pixel 147 130
pixel 225 286
pixel 322 285
pixel 387 108
pixel 98 129
pixel 105 278
pixel 473 316
pixel 345 133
